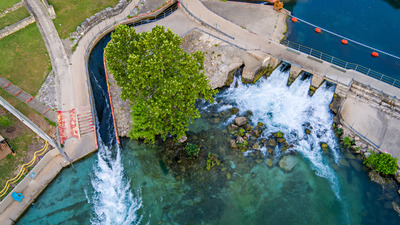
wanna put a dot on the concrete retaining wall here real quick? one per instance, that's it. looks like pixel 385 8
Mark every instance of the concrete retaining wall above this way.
pixel 12 8
pixel 97 18
pixel 16 26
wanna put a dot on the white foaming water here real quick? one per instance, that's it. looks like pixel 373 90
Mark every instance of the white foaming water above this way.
pixel 290 110
pixel 113 201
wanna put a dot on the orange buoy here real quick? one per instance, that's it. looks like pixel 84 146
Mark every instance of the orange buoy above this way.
pixel 317 30
pixel 345 42
pixel 294 20
pixel 375 54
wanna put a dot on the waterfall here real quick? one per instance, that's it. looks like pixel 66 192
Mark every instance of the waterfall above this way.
pixel 290 109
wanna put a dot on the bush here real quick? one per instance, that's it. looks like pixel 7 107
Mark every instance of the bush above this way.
pixel 5 121
pixel 383 163
pixel 192 150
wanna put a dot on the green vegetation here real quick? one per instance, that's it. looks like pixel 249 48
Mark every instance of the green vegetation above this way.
pixel 382 162
pixel 72 13
pixel 13 17
pixel 192 150
pixel 241 132
pixel 24 59
pixel 212 160
pixel 347 142
pixel 161 81
pixel 242 146
pixel 7 4
pixel 5 121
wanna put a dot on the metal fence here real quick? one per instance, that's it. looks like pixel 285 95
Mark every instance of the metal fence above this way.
pixel 341 63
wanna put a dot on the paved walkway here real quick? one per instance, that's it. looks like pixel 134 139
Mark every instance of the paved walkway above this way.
pixel 263 47
pixel 28 99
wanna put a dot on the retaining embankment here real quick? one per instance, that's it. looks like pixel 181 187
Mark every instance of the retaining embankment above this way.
pixel 16 26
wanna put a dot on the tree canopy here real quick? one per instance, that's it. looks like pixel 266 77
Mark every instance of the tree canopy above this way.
pixel 161 81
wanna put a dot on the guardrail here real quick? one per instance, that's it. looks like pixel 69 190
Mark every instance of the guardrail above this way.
pixel 23 168
pixel 341 63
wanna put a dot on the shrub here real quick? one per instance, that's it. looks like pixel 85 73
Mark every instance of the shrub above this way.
pixel 347 142
pixel 5 121
pixel 192 150
pixel 382 162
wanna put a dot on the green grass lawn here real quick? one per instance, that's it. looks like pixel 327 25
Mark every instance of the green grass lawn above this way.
pixel 5 4
pixel 13 17
pixel 24 59
pixel 72 13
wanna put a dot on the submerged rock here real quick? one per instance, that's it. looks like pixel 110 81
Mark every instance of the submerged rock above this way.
pixel 377 178
pixel 269 162
pixel 270 151
pixel 234 110
pixel 256 146
pixel 396 207
pixel 240 120
pixel 232 143
pixel 288 162
pixel 247 127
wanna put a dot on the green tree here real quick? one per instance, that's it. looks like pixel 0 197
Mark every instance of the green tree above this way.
pixel 161 81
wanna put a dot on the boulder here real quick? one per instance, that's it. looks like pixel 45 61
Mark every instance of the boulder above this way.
pixel 271 142
pixel 182 139
pixel 240 140
pixel 234 110
pixel 288 162
pixel 270 151
pixel 256 146
pixel 232 143
pixel 233 126
pixel 240 120
pixel 308 131
pixel 269 162
pixel 247 127
pixel 324 146
pixel 280 140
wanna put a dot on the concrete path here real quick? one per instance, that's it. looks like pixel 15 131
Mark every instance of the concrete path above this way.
pixel 264 46
pixel 28 99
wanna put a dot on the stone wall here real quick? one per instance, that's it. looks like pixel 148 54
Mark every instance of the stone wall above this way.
pixel 12 8
pixel 97 18
pixel 50 9
pixel 16 26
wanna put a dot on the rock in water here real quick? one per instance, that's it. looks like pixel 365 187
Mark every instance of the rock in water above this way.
pixel 234 110
pixel 240 140
pixel 324 146
pixel 377 178
pixel 271 142
pixel 233 126
pixel 232 143
pixel 288 162
pixel 269 162
pixel 240 120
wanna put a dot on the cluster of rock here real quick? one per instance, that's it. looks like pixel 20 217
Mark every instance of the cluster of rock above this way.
pixel 97 18
pixel 247 138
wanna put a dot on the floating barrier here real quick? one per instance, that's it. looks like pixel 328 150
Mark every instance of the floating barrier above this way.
pixel 294 20
pixel 344 41
pixel 317 30
pixel 374 54
pixel 345 38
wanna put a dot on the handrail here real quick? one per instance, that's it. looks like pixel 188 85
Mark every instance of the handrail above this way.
pixel 24 166
pixel 341 63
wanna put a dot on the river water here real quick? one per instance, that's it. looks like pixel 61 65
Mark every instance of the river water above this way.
pixel 135 184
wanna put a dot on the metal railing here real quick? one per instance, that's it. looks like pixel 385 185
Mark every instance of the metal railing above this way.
pixel 341 63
